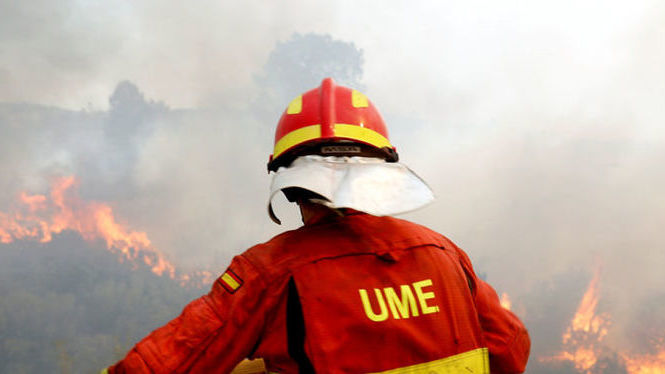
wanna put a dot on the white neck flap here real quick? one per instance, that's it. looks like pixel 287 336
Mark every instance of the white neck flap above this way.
pixel 366 184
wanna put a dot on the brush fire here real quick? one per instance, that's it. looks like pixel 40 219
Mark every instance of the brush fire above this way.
pixel 40 217
pixel 583 342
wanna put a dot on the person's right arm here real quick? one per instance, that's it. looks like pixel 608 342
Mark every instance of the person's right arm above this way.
pixel 213 333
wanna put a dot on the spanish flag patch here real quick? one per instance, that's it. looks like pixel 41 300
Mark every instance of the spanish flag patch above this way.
pixel 230 281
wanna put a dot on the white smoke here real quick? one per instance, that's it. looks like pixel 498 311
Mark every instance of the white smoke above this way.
pixel 538 126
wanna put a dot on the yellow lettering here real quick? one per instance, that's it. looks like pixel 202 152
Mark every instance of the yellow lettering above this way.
pixel 403 303
pixel 424 296
pixel 383 314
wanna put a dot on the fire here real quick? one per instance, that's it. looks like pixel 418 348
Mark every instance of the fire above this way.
pixel 585 332
pixel 585 319
pixel 583 339
pixel 645 364
pixel 39 217
pixel 505 301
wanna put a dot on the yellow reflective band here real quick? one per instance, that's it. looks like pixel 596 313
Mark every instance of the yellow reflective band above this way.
pixel 247 366
pixel 105 371
pixel 295 106
pixel 476 362
pixel 361 133
pixel 296 137
pixel 359 100
pixel 230 281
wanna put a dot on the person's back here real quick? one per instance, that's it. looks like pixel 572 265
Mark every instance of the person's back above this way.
pixel 349 292
pixel 378 293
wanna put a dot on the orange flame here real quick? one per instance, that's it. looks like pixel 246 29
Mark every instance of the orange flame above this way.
pixel 40 217
pixel 505 301
pixel 585 319
pixel 585 331
pixel 583 337
pixel 645 364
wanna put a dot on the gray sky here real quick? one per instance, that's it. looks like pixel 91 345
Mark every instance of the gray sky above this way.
pixel 188 56
pixel 539 125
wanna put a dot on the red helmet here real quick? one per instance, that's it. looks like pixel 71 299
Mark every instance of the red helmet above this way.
pixel 330 120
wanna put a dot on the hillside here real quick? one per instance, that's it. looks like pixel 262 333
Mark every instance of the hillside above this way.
pixel 70 306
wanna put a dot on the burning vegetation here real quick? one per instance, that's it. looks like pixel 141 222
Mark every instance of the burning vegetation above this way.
pixel 40 217
pixel 584 345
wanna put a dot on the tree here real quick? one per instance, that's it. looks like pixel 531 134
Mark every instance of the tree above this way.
pixel 299 64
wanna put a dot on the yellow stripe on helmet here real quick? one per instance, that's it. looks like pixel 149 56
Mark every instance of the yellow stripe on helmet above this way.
pixel 353 132
pixel 358 100
pixel 295 106
pixel 296 137
pixel 362 134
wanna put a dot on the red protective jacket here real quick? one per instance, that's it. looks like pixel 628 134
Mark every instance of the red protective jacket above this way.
pixel 353 294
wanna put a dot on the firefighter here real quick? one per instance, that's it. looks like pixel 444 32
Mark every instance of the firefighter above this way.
pixel 353 290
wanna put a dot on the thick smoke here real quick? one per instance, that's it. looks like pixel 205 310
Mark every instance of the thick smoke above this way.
pixel 561 179
pixel 538 128
pixel 194 179
pixel 298 65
